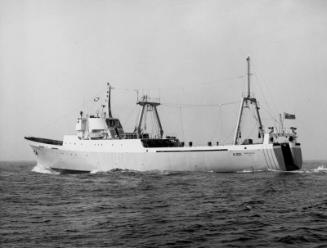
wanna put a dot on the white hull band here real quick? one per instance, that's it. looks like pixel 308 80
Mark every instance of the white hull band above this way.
pixel 105 157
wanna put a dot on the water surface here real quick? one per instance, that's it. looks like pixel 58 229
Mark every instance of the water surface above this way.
pixel 39 208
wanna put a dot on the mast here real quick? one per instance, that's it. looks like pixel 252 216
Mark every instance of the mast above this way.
pixel 244 104
pixel 147 104
pixel 249 74
pixel 109 100
pixel 238 127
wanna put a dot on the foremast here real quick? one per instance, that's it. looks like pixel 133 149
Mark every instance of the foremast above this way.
pixel 248 99
pixel 109 99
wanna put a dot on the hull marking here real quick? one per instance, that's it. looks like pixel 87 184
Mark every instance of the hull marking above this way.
pixel 216 150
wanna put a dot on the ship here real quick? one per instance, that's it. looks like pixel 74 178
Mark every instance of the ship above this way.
pixel 101 144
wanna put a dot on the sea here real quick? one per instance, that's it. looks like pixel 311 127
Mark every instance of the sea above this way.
pixel 42 208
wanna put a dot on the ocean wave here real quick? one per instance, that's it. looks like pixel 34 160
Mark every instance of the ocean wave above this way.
pixel 147 209
pixel 321 168
pixel 39 168
pixel 251 171
pixel 98 172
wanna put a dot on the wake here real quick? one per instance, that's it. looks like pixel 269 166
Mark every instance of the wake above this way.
pixel 39 168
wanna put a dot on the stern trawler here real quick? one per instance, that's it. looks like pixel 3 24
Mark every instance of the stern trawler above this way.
pixel 101 144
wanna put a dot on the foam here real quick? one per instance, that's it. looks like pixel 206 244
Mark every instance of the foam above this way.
pixel 39 168
pixel 321 168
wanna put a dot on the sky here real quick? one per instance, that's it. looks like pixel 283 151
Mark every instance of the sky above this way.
pixel 56 57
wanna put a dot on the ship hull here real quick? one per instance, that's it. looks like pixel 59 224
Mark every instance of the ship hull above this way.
pixel 218 159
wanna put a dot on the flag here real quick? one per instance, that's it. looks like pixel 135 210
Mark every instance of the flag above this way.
pixel 289 116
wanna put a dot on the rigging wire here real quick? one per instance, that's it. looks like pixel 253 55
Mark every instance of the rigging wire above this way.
pixel 219 126
pixel 130 114
pixel 269 109
pixel 228 137
pixel 188 105
pixel 275 120
pixel 211 83
pixel 199 84
pixel 137 120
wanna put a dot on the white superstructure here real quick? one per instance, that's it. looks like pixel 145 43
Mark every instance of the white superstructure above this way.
pixel 101 145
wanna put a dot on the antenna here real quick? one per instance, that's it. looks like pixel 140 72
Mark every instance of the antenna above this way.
pixel 109 100
pixel 249 75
